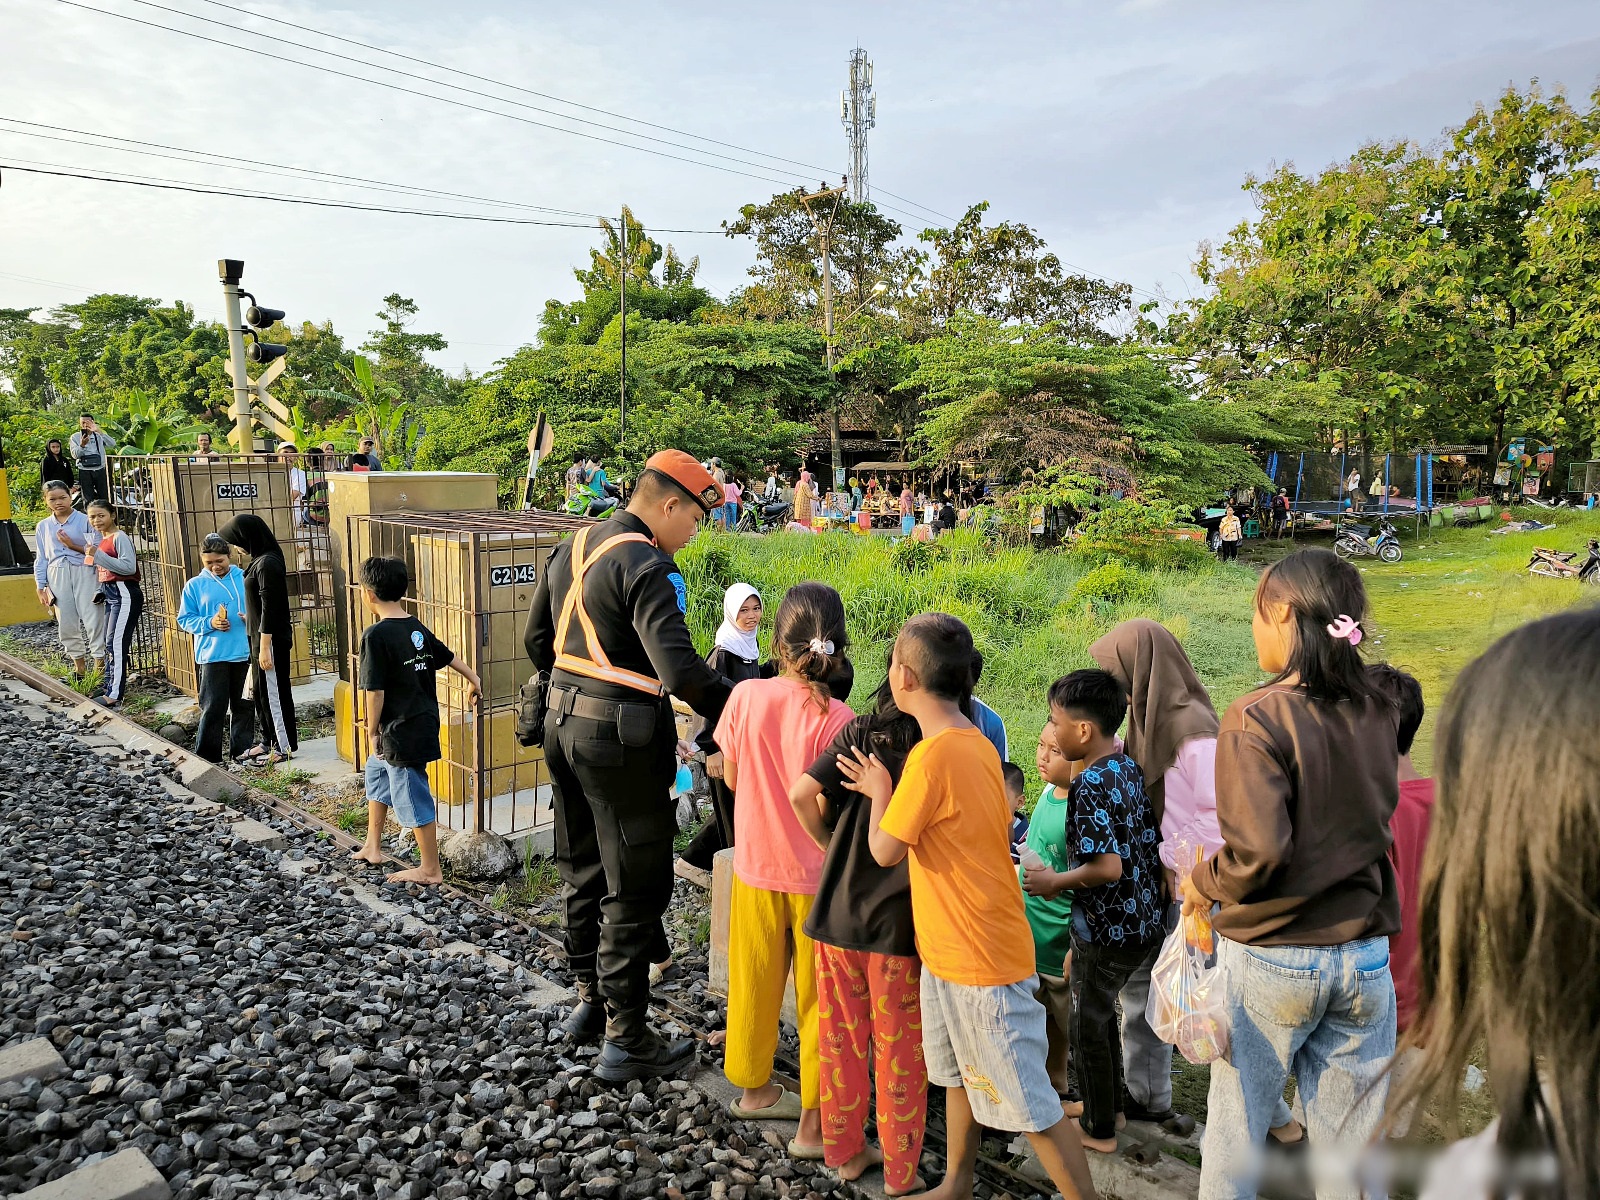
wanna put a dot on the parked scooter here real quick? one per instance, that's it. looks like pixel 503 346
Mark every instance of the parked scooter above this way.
pixel 1358 541
pixel 760 516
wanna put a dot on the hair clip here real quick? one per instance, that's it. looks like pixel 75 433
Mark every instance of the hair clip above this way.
pixel 821 646
pixel 1344 629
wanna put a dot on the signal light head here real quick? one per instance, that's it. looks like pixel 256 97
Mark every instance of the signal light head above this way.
pixel 264 352
pixel 258 316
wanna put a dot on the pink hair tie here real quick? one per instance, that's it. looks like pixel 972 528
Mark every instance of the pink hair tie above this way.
pixel 1345 630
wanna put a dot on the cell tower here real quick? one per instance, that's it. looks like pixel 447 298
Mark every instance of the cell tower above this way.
pixel 858 112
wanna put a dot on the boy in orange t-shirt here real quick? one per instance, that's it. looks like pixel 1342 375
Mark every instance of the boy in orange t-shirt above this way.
pixel 983 1031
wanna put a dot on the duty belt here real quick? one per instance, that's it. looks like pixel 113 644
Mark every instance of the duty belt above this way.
pixel 569 702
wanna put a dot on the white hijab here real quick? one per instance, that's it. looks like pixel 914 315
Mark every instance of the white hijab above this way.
pixel 729 636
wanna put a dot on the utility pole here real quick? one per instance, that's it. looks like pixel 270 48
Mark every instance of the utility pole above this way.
pixel 231 271
pixel 622 308
pixel 858 112
pixel 825 232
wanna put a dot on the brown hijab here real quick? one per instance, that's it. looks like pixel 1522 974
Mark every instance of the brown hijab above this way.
pixel 1169 704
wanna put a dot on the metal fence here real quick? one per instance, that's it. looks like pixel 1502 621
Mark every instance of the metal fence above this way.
pixel 472 580
pixel 168 503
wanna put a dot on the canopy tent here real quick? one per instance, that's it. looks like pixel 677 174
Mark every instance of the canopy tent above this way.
pixel 883 466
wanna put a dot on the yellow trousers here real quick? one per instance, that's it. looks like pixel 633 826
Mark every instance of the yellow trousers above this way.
pixel 764 943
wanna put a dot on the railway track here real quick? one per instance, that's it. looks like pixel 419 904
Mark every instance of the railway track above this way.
pixel 1000 1177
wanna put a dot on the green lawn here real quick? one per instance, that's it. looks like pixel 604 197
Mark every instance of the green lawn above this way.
pixel 1459 590
pixel 1021 605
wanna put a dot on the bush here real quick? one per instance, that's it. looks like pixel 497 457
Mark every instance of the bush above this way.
pixel 911 557
pixel 1129 531
pixel 1113 583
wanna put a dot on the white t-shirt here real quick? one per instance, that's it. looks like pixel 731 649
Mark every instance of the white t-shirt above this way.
pixel 297 483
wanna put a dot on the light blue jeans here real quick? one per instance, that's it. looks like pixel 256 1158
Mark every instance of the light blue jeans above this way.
pixel 1327 1014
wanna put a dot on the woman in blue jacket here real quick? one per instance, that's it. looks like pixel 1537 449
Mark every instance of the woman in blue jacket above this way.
pixel 213 611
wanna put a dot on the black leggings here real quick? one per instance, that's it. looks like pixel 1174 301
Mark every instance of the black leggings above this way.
pixel 717 833
pixel 1229 550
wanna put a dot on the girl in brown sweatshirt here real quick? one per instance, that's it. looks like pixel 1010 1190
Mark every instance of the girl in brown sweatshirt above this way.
pixel 1305 788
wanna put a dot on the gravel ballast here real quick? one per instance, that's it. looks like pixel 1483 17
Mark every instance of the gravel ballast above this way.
pixel 262 1033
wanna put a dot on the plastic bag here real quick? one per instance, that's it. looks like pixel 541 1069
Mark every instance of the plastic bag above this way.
pixel 1188 1004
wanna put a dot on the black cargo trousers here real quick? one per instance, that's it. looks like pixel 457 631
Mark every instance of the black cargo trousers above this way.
pixel 614 826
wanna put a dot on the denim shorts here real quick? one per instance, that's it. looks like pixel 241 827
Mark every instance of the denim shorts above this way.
pixel 403 789
pixel 991 1041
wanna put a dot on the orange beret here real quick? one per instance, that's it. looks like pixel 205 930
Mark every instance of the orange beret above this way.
pixel 688 474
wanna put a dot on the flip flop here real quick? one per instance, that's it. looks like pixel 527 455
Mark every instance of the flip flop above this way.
pixel 785 1108
pixel 805 1153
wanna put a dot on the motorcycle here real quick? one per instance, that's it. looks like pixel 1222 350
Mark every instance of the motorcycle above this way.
pixel 1358 541
pixel 583 503
pixel 1559 564
pixel 761 516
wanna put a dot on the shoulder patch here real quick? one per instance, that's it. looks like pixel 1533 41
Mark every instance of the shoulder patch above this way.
pixel 679 586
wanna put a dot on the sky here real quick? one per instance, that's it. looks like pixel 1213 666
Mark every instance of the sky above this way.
pixel 1122 131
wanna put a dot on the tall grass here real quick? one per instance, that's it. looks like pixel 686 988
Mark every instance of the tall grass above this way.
pixel 1034 613
pixel 1022 606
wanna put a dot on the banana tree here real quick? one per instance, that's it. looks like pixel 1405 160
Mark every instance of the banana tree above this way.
pixel 139 423
pixel 376 410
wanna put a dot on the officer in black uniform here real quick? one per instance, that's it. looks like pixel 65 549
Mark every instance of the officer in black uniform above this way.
pixel 607 623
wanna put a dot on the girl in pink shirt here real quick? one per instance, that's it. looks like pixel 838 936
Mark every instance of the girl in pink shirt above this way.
pixel 771 731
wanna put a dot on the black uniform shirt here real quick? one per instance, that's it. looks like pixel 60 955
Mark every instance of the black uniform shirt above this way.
pixel 637 599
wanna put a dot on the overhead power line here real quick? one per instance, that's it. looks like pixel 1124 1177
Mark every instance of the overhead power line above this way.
pixel 232 27
pixel 511 86
pixel 378 185
pixel 134 146
pixel 64 171
pixel 395 87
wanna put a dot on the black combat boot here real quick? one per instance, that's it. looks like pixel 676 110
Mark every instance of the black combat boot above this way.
pixel 587 1022
pixel 634 1051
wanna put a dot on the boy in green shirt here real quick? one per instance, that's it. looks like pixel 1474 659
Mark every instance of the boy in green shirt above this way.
pixel 1050 917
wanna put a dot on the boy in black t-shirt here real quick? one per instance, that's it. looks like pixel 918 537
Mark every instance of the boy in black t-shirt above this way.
pixel 1115 878
pixel 400 659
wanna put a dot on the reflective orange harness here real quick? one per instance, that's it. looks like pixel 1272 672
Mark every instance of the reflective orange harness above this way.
pixel 597 665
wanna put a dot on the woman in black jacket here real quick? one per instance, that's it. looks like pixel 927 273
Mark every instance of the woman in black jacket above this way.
pixel 56 466
pixel 266 597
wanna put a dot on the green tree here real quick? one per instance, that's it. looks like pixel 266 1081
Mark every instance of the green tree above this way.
pixel 667 294
pixel 721 390
pixel 400 353
pixel 1432 287
pixel 1015 398
pixel 316 358
pixel 375 409
pixel 1006 272
pixel 787 272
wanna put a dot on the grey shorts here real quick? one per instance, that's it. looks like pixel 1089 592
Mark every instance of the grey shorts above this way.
pixel 991 1041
